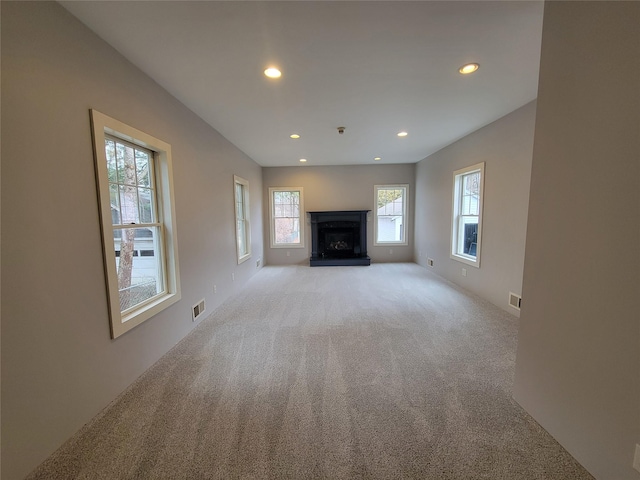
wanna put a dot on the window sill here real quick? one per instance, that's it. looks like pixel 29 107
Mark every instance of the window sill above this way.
pixel 466 259
pixel 135 318
pixel 244 259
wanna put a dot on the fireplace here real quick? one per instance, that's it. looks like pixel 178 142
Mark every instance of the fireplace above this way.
pixel 339 238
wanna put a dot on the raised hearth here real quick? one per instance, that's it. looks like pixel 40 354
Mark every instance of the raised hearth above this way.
pixel 339 238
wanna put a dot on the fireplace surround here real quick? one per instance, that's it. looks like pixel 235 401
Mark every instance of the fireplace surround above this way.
pixel 339 238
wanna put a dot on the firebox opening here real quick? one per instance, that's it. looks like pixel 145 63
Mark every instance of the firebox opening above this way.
pixel 338 243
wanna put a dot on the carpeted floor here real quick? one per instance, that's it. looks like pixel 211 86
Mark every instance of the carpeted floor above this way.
pixel 379 372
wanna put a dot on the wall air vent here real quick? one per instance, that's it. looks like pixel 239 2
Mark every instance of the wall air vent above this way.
pixel 515 300
pixel 197 310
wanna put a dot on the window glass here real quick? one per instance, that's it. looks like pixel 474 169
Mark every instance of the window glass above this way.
pixel 243 231
pixel 467 209
pixel 286 206
pixel 391 214
pixel 135 224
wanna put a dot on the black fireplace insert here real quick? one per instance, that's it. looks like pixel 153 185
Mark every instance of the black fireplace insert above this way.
pixel 339 238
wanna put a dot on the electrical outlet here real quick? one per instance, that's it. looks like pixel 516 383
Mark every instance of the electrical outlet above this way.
pixel 215 289
pixel 430 262
pixel 636 458
pixel 464 272
pixel 258 263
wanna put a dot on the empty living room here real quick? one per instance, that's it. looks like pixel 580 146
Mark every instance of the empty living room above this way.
pixel 320 240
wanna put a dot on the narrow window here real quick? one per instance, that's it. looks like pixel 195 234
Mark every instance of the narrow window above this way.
pixel 286 211
pixel 391 214
pixel 137 219
pixel 468 187
pixel 243 231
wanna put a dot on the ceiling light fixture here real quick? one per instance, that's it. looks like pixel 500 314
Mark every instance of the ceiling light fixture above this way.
pixel 303 160
pixel 468 68
pixel 295 136
pixel 402 134
pixel 377 158
pixel 273 72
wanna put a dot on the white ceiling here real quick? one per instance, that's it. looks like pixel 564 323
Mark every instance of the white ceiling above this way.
pixel 374 67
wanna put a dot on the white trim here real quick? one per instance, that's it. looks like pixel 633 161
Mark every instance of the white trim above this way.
pixel 455 214
pixel 405 214
pixel 302 218
pixel 247 223
pixel 101 124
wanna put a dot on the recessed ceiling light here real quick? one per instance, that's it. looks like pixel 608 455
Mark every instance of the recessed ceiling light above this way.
pixel 377 158
pixel 295 136
pixel 273 72
pixel 402 134
pixel 468 68
pixel 303 160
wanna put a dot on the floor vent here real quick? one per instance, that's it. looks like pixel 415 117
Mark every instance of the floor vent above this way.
pixel 515 300
pixel 197 310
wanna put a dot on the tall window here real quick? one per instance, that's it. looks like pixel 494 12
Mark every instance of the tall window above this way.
pixel 243 230
pixel 137 219
pixel 468 186
pixel 287 209
pixel 391 214
pixel 134 215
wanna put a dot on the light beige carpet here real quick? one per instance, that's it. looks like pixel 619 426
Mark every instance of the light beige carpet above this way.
pixel 378 372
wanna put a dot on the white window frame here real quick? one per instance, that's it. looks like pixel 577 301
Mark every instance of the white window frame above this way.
pixel 457 218
pixel 241 208
pixel 405 216
pixel 272 221
pixel 120 322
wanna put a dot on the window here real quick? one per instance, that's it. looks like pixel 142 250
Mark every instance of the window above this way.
pixel 286 207
pixel 391 215
pixel 243 231
pixel 468 186
pixel 134 180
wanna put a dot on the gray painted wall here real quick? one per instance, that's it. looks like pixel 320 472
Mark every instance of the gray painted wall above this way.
pixel 506 147
pixel 338 188
pixel 578 360
pixel 59 365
